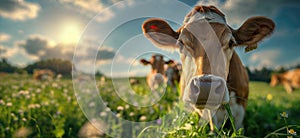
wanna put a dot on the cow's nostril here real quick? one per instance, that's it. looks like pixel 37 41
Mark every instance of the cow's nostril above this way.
pixel 220 88
pixel 206 91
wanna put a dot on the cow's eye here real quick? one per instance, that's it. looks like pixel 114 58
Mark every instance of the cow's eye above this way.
pixel 231 43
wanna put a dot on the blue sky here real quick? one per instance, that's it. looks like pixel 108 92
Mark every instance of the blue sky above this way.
pixel 32 30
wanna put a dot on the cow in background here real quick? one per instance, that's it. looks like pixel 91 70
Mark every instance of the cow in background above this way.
pixel 43 74
pixel 157 76
pixel 173 73
pixel 289 79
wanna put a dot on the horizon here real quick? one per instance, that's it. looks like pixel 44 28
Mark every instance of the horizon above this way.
pixel 38 30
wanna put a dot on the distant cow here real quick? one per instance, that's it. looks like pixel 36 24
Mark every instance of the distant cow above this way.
pixel 289 79
pixel 157 75
pixel 203 38
pixel 173 73
pixel 133 81
pixel 43 74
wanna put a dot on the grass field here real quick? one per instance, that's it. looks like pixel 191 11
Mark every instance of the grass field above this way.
pixel 50 109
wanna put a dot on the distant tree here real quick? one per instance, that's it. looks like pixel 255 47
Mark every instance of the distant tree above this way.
pixel 248 71
pixel 7 67
pixel 263 74
pixel 297 66
pixel 281 69
pixel 58 66
pixel 99 73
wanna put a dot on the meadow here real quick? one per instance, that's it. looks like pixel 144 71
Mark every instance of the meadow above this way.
pixel 49 109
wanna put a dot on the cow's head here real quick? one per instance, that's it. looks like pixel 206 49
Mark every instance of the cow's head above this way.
pixel 157 63
pixel 199 73
pixel 275 79
pixel 172 73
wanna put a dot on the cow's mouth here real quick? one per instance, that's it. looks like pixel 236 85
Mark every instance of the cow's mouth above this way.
pixel 206 91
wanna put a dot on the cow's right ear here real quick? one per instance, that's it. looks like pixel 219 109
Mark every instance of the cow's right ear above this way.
pixel 160 33
pixel 144 62
pixel 169 62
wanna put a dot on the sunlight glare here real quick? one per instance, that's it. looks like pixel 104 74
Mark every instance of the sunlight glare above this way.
pixel 70 34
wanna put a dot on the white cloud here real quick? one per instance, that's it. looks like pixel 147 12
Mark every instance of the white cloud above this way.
pixel 18 9
pixel 91 8
pixel 264 58
pixel 4 37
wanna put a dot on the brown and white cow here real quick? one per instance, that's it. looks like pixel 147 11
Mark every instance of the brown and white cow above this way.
pixel 206 84
pixel 173 73
pixel 43 74
pixel 157 76
pixel 289 79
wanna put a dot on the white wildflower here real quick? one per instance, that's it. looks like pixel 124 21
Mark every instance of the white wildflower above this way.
pixel 9 104
pixel 118 115
pixel 121 108
pixel 103 114
pixel 143 118
pixel 131 114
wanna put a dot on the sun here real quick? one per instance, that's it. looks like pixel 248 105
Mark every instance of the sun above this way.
pixel 70 34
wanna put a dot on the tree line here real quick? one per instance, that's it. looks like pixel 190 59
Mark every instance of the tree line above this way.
pixel 64 67
pixel 58 66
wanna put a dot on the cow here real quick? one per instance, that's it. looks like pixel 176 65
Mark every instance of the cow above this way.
pixel 289 79
pixel 206 86
pixel 157 76
pixel 173 73
pixel 133 81
pixel 43 74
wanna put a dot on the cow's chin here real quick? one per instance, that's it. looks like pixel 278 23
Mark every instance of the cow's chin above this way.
pixel 206 91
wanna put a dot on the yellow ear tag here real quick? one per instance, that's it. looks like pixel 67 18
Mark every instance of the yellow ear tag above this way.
pixel 250 47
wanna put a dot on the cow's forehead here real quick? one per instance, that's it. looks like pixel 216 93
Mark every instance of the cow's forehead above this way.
pixel 209 13
pixel 157 57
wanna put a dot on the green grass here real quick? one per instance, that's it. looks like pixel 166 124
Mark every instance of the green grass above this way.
pixel 50 109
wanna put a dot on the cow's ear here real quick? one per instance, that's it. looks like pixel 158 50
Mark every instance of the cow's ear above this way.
pixel 144 62
pixel 169 62
pixel 160 33
pixel 252 31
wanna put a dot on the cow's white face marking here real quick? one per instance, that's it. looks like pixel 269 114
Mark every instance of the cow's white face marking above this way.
pixel 226 40
pixel 199 54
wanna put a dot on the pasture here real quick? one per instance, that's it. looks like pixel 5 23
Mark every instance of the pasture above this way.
pixel 50 109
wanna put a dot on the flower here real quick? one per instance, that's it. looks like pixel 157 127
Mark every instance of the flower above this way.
pixel 38 90
pixel 9 104
pixel 131 114
pixel 143 118
pixel 24 119
pixel 118 115
pixel 92 104
pixel 107 109
pixel 2 102
pixel 187 126
pixel 158 121
pixel 293 132
pixel 284 115
pixel 120 108
pixel 269 97
pixel 103 114
pixel 22 92
pixel 32 106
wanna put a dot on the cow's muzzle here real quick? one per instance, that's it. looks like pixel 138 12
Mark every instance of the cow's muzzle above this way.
pixel 206 91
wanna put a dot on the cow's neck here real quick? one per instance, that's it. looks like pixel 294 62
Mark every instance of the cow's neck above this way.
pixel 238 80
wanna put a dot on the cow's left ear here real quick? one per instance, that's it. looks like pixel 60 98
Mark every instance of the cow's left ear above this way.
pixel 253 30
pixel 160 33
pixel 144 62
